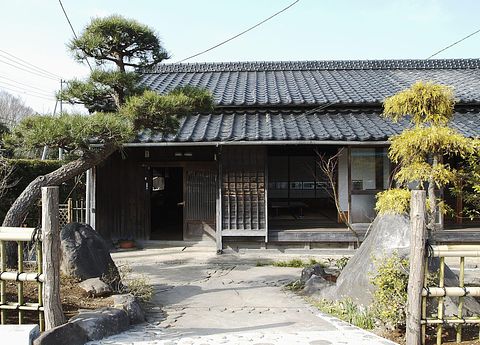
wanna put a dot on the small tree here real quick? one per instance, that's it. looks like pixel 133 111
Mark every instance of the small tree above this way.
pixel 126 44
pixel 420 150
pixel 12 110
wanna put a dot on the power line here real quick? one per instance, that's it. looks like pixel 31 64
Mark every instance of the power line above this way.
pixel 17 82
pixel 27 70
pixel 241 33
pixel 26 93
pixel 73 30
pixel 43 93
pixel 454 43
pixel 28 64
pixel 46 94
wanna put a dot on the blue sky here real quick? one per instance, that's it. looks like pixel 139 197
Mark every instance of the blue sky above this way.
pixel 37 31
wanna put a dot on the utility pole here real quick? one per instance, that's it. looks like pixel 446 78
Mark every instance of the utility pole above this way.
pixel 60 150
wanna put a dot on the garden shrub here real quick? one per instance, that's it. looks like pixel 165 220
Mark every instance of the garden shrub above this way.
pixel 390 295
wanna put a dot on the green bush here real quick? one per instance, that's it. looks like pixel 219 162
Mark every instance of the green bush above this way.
pixel 390 296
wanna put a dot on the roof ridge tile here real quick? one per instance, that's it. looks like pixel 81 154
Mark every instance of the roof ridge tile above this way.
pixel 387 64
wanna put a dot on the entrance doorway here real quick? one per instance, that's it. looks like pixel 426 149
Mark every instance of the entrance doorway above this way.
pixel 167 203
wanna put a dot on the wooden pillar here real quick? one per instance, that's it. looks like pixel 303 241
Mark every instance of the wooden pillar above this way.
pixel 51 258
pixel 417 267
pixel 219 219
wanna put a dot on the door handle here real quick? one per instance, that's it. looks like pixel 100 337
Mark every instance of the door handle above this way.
pixel 181 203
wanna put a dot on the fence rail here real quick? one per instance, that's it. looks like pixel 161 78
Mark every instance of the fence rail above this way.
pixel 20 236
pixel 441 291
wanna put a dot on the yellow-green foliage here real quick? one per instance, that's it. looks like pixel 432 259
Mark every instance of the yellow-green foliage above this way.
pixel 426 102
pixel 390 295
pixel 418 143
pixel 394 200
pixel 421 172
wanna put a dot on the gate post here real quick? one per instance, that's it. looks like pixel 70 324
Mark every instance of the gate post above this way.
pixel 51 258
pixel 417 267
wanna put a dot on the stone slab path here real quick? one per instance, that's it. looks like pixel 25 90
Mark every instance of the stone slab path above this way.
pixel 201 298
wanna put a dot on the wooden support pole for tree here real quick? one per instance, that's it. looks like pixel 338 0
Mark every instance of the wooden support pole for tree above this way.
pixel 417 267
pixel 51 258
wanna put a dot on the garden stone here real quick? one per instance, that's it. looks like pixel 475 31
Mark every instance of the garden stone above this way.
pixel 69 333
pixel 130 304
pixel 94 287
pixel 315 284
pixel 308 272
pixel 101 323
pixel 85 254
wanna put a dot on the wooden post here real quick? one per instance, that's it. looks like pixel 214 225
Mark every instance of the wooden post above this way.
pixel 51 258
pixel 218 206
pixel 417 266
pixel 70 210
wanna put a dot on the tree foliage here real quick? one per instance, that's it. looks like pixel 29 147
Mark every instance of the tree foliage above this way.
pixel 117 42
pixel 395 200
pixel 115 39
pixel 420 151
pixel 426 103
pixel 162 112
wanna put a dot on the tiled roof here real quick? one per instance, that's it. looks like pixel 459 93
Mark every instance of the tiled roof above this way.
pixel 268 125
pixel 310 83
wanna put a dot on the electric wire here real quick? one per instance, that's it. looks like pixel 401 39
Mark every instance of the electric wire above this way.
pixel 239 34
pixel 27 70
pixel 454 43
pixel 28 64
pixel 46 94
pixel 73 30
pixel 17 82
pixel 25 93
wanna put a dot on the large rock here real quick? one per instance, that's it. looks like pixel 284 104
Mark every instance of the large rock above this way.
pixel 309 271
pixel 95 287
pixel 388 233
pixel 102 323
pixel 132 307
pixel 85 254
pixel 67 333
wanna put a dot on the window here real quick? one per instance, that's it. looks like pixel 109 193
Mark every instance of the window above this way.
pixel 370 172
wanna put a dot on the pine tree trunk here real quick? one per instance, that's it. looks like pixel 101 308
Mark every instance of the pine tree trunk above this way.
pixel 20 208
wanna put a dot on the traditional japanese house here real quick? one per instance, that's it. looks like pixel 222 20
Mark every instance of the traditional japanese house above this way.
pixel 247 172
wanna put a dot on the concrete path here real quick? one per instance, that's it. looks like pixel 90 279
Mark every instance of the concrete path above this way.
pixel 202 298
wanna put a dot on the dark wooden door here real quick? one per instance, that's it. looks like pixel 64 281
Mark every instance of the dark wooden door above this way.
pixel 166 204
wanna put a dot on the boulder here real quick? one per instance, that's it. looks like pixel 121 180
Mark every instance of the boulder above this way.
pixel 101 323
pixel 85 254
pixel 131 305
pixel 388 233
pixel 308 272
pixel 315 284
pixel 68 333
pixel 94 287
